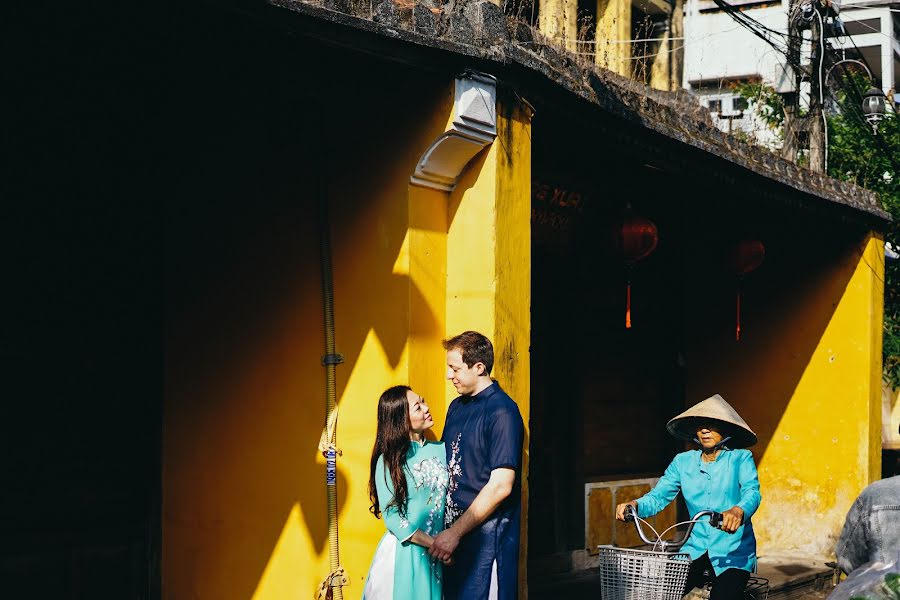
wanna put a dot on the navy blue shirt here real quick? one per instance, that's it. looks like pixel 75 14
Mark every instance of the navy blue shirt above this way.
pixel 483 432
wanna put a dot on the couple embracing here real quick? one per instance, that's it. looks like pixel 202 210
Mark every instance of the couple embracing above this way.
pixel 452 508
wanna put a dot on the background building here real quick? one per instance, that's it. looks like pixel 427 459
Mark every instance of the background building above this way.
pixel 719 52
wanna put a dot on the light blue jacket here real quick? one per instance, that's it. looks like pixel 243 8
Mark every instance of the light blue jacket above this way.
pixel 729 481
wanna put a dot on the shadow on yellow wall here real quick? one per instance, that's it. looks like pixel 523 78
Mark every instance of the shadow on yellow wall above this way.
pixel 802 376
pixel 244 511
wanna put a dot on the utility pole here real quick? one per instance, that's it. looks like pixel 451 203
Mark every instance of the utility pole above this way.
pixel 792 98
pixel 802 14
pixel 816 115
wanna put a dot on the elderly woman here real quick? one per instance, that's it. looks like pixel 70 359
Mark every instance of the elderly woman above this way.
pixel 720 476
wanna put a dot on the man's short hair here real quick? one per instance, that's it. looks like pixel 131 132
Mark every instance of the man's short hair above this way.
pixel 474 347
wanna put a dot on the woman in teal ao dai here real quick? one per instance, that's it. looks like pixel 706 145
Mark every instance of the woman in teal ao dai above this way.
pixel 408 487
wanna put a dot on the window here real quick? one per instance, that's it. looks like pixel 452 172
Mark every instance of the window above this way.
pixel 862 27
pixel 715 106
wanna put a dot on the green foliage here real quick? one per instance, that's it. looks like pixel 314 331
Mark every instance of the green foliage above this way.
pixel 764 101
pixel 870 161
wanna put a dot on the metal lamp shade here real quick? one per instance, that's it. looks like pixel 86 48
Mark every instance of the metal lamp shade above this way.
pixel 873 104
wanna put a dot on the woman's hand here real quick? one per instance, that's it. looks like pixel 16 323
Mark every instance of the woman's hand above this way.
pixel 421 538
pixel 620 509
pixel 732 519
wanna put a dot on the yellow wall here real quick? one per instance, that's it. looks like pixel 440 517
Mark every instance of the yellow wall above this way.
pixel 667 66
pixel 489 263
pixel 243 390
pixel 614 26
pixel 558 20
pixel 244 511
pixel 807 378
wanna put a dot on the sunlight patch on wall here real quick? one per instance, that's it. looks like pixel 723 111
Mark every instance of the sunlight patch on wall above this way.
pixel 293 554
pixel 359 530
pixel 401 265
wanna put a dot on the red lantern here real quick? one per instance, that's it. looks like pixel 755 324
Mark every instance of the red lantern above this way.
pixel 635 240
pixel 746 257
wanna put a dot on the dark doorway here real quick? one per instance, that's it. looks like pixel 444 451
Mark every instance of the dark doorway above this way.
pixel 601 393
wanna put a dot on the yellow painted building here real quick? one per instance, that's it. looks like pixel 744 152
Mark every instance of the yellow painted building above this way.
pixel 470 188
pixel 637 39
pixel 164 337
pixel 244 502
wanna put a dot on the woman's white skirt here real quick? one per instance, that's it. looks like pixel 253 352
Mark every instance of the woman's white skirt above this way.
pixel 380 585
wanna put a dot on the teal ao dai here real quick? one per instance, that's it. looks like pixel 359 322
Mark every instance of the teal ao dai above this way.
pixel 400 569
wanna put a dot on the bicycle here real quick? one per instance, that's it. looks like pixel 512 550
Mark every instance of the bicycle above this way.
pixel 660 573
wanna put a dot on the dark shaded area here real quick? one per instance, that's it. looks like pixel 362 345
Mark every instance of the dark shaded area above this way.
pixel 80 348
pixel 136 140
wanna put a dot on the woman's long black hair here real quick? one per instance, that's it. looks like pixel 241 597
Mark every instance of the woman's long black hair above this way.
pixel 392 442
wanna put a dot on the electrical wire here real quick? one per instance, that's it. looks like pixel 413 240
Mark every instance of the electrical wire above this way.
pixel 753 26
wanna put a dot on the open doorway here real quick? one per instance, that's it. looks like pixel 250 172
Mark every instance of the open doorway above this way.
pixel 601 392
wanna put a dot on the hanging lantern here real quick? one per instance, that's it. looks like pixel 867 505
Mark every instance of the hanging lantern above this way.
pixel 746 257
pixel 636 239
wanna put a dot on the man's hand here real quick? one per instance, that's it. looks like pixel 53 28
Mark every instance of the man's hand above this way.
pixel 620 509
pixel 444 545
pixel 732 519
pixel 497 489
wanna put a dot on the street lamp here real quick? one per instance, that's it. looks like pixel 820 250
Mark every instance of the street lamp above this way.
pixel 873 107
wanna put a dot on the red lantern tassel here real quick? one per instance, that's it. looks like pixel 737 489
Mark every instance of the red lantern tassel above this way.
pixel 628 305
pixel 737 332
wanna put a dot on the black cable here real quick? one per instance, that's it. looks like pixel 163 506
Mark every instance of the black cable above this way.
pixel 764 32
pixel 752 25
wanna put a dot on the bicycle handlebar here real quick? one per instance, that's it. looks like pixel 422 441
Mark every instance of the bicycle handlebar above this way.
pixel 715 519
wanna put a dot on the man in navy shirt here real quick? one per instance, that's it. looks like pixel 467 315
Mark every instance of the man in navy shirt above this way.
pixel 483 436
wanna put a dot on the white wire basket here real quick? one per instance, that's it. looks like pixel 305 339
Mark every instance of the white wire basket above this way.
pixel 627 574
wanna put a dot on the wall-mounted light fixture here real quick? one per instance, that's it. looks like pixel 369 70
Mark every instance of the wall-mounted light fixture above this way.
pixel 873 107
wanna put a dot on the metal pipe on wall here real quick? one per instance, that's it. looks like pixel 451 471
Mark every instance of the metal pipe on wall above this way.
pixel 331 587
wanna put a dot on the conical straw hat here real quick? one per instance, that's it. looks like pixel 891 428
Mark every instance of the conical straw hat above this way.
pixel 684 426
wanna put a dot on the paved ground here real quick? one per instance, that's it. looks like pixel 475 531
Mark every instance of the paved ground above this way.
pixel 790 578
pixel 586 587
